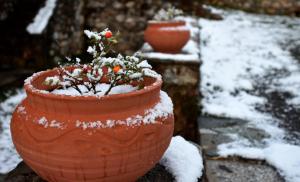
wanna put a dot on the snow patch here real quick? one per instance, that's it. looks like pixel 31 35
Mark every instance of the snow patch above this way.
pixel 9 158
pixel 177 28
pixel 91 34
pixel 284 157
pixel 183 160
pixel 41 19
pixel 51 124
pixel 175 57
pixel 21 110
pixel 101 88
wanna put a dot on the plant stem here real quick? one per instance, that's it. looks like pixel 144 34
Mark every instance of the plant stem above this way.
pixel 109 89
pixel 111 86
pixel 94 88
pixel 77 88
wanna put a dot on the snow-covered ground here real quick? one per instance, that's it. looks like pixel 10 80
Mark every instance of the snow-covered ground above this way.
pixel 8 155
pixel 240 54
pixel 183 160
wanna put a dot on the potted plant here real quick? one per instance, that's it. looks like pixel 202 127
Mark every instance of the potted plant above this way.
pixel 165 34
pixel 106 120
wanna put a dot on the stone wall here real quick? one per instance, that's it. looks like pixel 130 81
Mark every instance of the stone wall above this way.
pixel 63 35
pixel 128 17
pixel 274 7
pixel 65 28
pixel 16 47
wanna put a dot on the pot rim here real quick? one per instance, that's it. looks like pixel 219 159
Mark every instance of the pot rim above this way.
pixel 30 89
pixel 175 22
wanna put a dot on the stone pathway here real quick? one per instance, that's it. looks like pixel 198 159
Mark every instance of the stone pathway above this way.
pixel 214 132
pixel 237 171
pixel 250 83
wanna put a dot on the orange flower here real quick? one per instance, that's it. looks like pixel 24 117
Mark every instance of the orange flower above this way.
pixel 116 69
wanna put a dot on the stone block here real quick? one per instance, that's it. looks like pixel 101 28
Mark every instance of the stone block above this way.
pixel 237 171
pixel 181 77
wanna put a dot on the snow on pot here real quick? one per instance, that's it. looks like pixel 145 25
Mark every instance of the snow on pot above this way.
pixel 165 34
pixel 81 123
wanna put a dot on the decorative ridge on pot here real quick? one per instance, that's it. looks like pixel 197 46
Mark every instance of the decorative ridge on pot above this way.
pixel 167 23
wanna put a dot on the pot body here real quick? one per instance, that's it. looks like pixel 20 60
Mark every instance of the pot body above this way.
pixel 167 37
pixel 59 138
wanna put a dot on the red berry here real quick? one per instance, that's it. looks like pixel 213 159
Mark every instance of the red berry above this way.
pixel 108 34
pixel 86 69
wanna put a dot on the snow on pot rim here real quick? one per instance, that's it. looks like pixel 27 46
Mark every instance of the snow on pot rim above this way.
pixel 31 88
pixel 131 102
pixel 169 25
pixel 166 23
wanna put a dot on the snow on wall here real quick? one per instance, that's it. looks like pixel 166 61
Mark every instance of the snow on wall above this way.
pixel 40 21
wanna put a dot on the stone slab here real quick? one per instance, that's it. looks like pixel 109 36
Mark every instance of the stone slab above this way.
pixel 22 173
pixel 215 131
pixel 236 171
pixel 181 82
pixel 181 77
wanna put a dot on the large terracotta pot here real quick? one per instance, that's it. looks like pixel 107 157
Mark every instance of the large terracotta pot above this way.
pixel 167 37
pixel 87 138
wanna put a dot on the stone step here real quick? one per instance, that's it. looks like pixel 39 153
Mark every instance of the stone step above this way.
pixel 237 171
pixel 213 132
pixel 181 75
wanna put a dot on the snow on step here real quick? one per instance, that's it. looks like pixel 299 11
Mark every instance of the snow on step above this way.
pixel 183 160
pixel 40 21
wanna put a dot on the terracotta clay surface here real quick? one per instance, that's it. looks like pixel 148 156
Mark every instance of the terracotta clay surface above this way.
pixel 167 37
pixel 46 134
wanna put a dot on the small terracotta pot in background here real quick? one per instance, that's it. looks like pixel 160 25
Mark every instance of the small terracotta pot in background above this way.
pixel 167 36
pixel 49 134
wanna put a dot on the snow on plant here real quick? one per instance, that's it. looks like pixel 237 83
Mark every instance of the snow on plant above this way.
pixel 167 14
pixel 112 70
